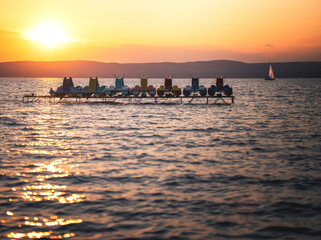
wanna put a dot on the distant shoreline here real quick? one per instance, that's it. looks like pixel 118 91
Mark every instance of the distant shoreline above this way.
pixel 245 78
pixel 204 69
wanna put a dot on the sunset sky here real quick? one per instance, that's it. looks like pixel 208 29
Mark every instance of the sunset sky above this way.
pixel 156 31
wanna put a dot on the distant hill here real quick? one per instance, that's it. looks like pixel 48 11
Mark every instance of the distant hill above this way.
pixel 205 69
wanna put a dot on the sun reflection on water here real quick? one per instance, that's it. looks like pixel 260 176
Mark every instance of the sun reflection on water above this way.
pixel 39 235
pixel 52 221
pixel 43 222
pixel 42 191
pixel 37 189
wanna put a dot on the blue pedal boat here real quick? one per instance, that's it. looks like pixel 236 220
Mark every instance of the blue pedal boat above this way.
pixel 195 89
pixel 120 89
pixel 219 88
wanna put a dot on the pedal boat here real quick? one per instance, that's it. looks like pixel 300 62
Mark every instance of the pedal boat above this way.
pixel 168 90
pixel 119 89
pixel 67 89
pixel 94 89
pixel 195 89
pixel 219 88
pixel 143 89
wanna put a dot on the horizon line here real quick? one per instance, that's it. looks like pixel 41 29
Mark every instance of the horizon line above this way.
pixel 218 60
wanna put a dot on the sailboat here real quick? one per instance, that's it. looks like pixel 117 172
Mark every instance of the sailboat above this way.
pixel 271 74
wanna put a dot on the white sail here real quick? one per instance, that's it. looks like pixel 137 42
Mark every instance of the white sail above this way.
pixel 271 74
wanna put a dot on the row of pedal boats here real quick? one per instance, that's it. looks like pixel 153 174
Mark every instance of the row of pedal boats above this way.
pixel 120 89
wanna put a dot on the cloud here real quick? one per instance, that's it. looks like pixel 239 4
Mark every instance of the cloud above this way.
pixel 269 45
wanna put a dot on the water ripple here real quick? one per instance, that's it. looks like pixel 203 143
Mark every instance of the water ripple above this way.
pixel 250 170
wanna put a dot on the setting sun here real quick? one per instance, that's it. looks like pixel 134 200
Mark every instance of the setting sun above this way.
pixel 48 34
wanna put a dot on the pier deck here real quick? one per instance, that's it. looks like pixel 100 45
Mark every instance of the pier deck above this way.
pixel 219 99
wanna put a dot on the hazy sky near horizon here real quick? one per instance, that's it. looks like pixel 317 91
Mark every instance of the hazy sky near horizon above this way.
pixel 156 31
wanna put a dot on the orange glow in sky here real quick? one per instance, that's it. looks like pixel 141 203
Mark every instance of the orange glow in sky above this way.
pixel 155 31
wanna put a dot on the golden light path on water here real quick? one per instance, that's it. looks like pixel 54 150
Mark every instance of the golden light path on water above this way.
pixel 37 189
pixel 42 191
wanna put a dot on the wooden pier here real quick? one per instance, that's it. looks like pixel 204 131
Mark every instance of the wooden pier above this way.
pixel 216 100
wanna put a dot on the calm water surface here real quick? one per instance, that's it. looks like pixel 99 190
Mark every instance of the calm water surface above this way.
pixel 249 170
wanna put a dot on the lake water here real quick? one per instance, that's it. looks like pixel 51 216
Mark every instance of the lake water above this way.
pixel 249 170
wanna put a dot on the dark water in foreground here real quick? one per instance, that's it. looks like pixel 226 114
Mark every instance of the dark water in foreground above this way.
pixel 250 170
